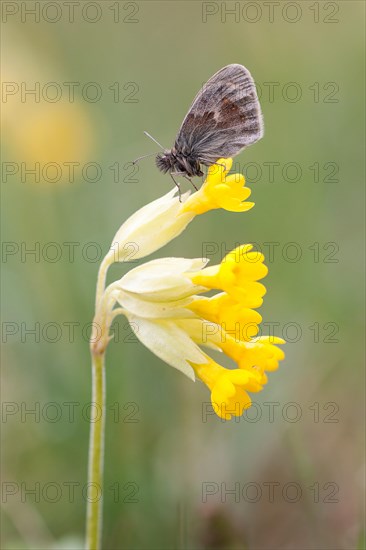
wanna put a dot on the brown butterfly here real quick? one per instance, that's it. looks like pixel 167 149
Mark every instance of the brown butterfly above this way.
pixel 224 118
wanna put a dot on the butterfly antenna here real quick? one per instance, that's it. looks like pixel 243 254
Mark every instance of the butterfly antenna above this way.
pixel 143 157
pixel 157 143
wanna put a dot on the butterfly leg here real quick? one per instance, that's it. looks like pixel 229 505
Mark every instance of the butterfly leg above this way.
pixel 187 178
pixel 190 181
pixel 177 184
pixel 218 164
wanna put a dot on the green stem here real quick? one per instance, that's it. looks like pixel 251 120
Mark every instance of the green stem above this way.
pixel 96 456
pixel 94 516
pixel 102 274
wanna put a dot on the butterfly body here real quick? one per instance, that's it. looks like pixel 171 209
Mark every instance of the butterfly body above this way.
pixel 224 118
pixel 177 162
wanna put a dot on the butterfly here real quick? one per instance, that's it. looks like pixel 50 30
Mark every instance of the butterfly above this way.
pixel 224 118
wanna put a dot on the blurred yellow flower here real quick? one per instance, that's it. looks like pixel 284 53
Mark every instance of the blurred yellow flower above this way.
pixel 38 128
pixel 50 133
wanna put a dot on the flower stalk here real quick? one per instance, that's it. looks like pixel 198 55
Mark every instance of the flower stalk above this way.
pixel 96 455
pixel 98 344
pixel 162 300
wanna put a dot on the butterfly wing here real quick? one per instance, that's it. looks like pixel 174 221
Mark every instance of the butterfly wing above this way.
pixel 225 117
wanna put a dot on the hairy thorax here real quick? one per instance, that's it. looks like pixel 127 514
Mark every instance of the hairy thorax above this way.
pixel 177 163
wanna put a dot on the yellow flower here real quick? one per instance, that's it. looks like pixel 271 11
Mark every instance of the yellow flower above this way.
pixel 150 228
pixel 231 315
pixel 263 353
pixel 237 275
pixel 229 388
pixel 163 304
pixel 259 353
pixel 160 221
pixel 220 191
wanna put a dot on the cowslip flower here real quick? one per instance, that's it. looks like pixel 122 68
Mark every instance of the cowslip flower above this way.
pixel 162 301
pixel 160 221
pixel 220 190
pixel 229 388
pixel 164 304
pixel 150 228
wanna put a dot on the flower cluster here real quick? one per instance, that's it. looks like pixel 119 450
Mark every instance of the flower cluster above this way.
pixel 164 300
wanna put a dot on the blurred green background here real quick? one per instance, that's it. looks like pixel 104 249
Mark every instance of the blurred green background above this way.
pixel 147 60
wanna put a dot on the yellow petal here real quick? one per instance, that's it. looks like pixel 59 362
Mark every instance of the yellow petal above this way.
pixel 220 191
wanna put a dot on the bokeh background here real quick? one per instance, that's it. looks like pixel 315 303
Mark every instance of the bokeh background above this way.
pixel 146 60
